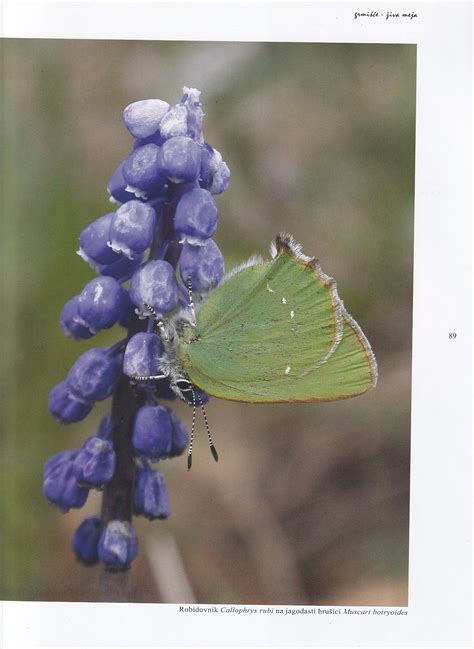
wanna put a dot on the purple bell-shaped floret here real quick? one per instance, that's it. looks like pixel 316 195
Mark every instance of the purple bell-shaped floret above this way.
pixel 195 114
pixel 142 118
pixel 208 166
pixel 214 173
pixel 93 242
pixel 203 264
pixel 94 374
pixel 65 406
pixel 179 434
pixel 150 496
pixel 154 284
pixel 94 464
pixel 118 544
pixel 196 215
pixel 70 321
pixel 152 432
pixel 60 486
pixel 59 458
pixel 142 171
pixel 86 540
pixel 117 187
pixel 142 355
pixel 101 303
pixel 132 228
pixel 180 159
pixel 221 179
pixel 175 122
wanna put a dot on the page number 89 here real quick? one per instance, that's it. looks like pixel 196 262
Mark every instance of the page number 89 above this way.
pixel 452 334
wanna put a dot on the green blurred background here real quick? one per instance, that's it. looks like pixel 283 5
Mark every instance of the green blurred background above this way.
pixel 309 503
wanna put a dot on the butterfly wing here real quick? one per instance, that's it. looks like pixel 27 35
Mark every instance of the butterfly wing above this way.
pixel 277 331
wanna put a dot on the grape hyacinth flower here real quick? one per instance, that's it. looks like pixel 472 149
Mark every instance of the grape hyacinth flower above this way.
pixel 101 303
pixel 66 407
pixel 154 284
pixel 204 264
pixel 85 541
pixel 60 485
pixel 141 171
pixel 142 356
pixel 132 228
pixel 145 251
pixel 94 464
pixel 93 242
pixel 151 436
pixel 143 118
pixel 196 216
pixel 151 495
pixel 118 544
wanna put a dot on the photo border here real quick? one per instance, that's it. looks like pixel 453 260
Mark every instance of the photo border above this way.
pixel 440 513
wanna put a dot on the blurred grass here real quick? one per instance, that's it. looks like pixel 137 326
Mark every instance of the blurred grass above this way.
pixel 309 504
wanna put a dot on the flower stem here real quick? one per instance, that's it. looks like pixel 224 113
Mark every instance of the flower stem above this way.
pixel 118 493
pixel 117 500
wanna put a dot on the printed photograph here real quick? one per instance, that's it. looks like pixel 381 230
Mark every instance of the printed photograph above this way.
pixel 207 280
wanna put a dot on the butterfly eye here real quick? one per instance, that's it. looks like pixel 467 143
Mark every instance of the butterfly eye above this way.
pixel 184 385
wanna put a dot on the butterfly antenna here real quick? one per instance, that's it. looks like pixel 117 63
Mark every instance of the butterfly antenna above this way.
pixel 190 293
pixel 208 430
pixel 193 428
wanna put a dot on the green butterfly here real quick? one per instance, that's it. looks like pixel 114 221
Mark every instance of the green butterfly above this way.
pixel 273 331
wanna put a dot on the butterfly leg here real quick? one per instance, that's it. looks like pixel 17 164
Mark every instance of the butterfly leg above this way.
pixel 191 301
pixel 142 379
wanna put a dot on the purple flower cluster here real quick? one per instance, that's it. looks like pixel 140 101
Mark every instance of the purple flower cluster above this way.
pixel 145 254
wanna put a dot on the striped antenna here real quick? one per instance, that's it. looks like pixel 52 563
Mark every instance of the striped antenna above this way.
pixel 208 431
pixel 193 427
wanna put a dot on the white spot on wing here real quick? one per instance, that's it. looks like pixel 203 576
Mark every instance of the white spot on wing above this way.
pixel 287 370
pixel 292 314
pixel 284 300
pixel 284 239
pixel 269 289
